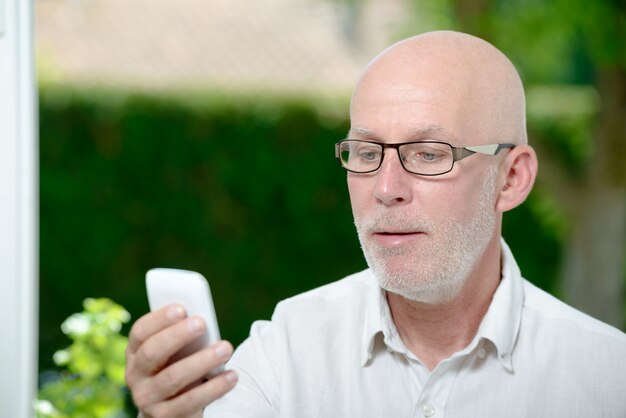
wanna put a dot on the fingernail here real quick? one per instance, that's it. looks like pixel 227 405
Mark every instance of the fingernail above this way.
pixel 223 350
pixel 231 377
pixel 175 312
pixel 194 325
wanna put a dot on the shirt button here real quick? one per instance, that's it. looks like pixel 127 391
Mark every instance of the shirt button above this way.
pixel 481 352
pixel 428 410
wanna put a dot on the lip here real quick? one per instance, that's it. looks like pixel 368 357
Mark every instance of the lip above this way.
pixel 396 239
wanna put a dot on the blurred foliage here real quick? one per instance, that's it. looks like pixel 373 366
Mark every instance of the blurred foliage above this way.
pixel 92 386
pixel 563 116
pixel 244 190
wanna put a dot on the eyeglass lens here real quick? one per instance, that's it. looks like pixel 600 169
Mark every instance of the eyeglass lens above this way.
pixel 420 158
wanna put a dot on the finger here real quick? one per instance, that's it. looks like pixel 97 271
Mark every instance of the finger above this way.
pixel 197 398
pixel 154 353
pixel 182 375
pixel 192 369
pixel 151 323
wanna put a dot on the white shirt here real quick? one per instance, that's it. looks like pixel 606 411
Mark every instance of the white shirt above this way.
pixel 335 352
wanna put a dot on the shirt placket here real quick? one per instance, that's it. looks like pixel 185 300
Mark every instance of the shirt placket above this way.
pixel 434 394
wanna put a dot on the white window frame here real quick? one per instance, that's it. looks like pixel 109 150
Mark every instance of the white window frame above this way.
pixel 18 210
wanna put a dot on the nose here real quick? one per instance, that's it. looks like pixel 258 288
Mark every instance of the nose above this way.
pixel 393 182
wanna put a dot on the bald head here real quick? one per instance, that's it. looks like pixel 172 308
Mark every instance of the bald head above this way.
pixel 455 82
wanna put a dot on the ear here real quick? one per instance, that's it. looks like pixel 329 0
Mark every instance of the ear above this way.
pixel 519 173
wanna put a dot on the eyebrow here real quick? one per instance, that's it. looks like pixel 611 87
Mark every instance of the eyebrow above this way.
pixel 416 133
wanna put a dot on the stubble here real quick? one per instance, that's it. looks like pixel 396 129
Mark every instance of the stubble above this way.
pixel 432 270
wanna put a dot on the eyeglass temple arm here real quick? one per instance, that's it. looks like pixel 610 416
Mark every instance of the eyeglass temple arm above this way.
pixel 490 149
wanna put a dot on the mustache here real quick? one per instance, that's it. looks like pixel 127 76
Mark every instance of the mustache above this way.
pixel 385 222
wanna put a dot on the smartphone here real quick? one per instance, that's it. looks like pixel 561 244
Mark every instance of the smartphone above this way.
pixel 191 290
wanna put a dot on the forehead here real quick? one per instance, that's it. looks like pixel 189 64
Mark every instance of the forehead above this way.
pixel 397 113
pixel 468 89
pixel 432 131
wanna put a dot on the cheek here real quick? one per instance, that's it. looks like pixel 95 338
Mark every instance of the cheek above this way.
pixel 450 202
pixel 449 198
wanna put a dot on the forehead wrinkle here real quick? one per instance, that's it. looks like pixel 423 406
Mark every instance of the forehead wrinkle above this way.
pixel 417 133
pixel 360 130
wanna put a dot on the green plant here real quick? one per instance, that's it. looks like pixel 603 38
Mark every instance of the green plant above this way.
pixel 92 382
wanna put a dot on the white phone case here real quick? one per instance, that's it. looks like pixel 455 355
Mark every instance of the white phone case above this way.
pixel 190 289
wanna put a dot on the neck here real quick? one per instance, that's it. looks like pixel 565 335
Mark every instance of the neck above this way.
pixel 434 332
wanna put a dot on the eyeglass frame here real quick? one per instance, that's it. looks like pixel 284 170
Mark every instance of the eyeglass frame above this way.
pixel 458 153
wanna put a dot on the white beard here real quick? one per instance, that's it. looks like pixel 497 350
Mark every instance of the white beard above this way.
pixel 435 272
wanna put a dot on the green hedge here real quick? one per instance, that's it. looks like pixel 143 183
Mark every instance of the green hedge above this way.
pixel 244 190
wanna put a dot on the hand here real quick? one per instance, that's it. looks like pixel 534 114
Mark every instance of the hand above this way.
pixel 161 389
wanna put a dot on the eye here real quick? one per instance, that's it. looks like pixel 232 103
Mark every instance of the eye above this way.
pixel 426 153
pixel 429 156
pixel 369 154
pixel 425 156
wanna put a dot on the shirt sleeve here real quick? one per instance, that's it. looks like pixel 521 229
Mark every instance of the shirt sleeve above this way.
pixel 256 362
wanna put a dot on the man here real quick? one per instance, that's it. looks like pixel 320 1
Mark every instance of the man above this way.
pixel 442 324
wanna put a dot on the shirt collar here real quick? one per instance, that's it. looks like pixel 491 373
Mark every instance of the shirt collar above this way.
pixel 500 325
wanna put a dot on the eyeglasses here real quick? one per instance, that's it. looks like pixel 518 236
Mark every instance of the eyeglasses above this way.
pixel 426 158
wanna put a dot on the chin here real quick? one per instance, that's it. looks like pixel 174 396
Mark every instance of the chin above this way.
pixel 432 293
pixel 428 284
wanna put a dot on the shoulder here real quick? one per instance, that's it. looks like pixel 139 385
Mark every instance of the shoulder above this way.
pixel 302 328
pixel 332 304
pixel 558 318
pixel 576 353
pixel 353 287
pixel 327 308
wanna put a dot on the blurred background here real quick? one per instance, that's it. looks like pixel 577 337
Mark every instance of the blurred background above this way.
pixel 199 135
